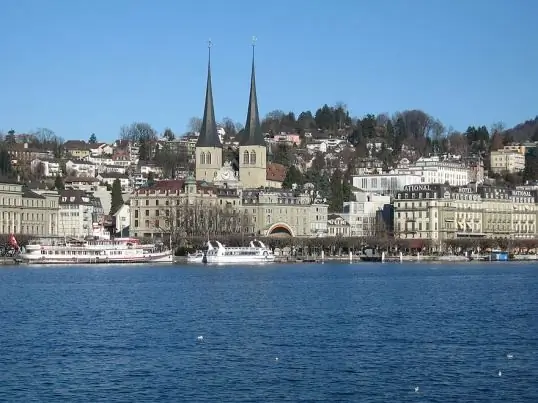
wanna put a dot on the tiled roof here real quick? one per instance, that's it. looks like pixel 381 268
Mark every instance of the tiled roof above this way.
pixel 276 172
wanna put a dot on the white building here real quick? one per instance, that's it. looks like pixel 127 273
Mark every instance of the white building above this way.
pixel 123 219
pixel 47 168
pixel 385 183
pixel 507 161
pixel 437 170
pixel 75 214
pixel 363 214
pixel 80 168
pixel 109 178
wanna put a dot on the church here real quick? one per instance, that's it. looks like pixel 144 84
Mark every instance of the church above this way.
pixel 254 171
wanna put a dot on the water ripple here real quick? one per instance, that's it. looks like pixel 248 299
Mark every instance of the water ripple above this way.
pixel 342 333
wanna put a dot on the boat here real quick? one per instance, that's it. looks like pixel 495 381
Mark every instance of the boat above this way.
pixel 118 250
pixel 256 252
pixel 196 257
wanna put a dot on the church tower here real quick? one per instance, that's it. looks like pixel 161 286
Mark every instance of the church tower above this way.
pixel 208 146
pixel 252 148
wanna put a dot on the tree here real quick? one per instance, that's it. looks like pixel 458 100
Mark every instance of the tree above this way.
pixel 143 135
pixel 59 183
pixel 117 197
pixel 283 154
pixel 336 200
pixel 93 139
pixel 195 125
pixel 531 165
pixel 293 176
pixel 169 134
pixel 229 128
pixel 6 169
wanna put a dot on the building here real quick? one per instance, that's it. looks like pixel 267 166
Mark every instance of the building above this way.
pixel 338 226
pixel 80 168
pixel 197 208
pixel 369 214
pixel 45 168
pixel 389 183
pixel 439 212
pixel 110 177
pixel 76 210
pixel 78 149
pixel 26 212
pixel 436 169
pixel 507 161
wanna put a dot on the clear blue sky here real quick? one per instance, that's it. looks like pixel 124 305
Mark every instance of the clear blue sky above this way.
pixel 79 67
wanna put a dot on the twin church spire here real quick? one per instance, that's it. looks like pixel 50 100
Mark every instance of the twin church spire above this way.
pixel 252 135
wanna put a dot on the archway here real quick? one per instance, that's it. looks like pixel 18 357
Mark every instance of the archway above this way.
pixel 280 230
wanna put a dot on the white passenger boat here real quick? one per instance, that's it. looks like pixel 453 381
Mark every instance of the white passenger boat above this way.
pixel 118 250
pixel 256 252
pixel 196 257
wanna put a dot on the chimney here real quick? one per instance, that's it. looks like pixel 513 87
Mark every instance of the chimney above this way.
pixel 25 145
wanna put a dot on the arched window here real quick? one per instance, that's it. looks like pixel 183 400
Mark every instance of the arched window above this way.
pixel 252 157
pixel 208 158
pixel 245 158
pixel 202 158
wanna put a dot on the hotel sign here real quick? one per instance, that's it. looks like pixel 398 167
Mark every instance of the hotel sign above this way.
pixel 525 193
pixel 465 190
pixel 416 188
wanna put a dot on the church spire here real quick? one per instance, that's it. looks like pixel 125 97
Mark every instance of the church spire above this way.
pixel 208 132
pixel 253 135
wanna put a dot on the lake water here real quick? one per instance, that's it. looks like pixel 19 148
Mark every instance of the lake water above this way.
pixel 341 333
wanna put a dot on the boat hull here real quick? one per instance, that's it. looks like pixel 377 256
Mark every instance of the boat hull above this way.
pixel 239 259
pixel 152 258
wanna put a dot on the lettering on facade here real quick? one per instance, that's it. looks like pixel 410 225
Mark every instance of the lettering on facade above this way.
pixel 525 193
pixel 465 190
pixel 416 188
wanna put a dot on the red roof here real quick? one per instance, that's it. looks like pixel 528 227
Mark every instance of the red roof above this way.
pixel 276 172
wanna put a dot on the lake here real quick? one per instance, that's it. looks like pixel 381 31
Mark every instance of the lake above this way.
pixel 360 332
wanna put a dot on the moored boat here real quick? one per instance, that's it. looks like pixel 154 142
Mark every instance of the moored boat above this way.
pixel 119 250
pixel 255 253
pixel 196 257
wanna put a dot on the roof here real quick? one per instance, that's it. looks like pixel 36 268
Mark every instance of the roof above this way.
pixel 208 136
pixel 76 145
pixel 88 179
pixel 252 135
pixel 31 195
pixel 70 196
pixel 115 175
pixel 276 172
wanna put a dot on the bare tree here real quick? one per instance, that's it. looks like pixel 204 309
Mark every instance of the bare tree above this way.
pixel 138 132
pixel 182 220
pixel 195 125
pixel 498 127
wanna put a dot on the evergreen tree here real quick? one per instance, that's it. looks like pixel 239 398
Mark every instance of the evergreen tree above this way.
pixel 5 163
pixel 93 139
pixel 117 198
pixel 59 183
pixel 293 175
pixel 336 201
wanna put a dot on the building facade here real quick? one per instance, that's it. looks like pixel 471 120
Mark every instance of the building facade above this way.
pixel 438 212
pixel 507 161
pixel 26 212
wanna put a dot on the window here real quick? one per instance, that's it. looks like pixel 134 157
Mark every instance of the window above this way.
pixel 246 158
pixel 252 157
pixel 202 158
pixel 208 158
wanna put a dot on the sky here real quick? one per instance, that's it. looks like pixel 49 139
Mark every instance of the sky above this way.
pixel 82 67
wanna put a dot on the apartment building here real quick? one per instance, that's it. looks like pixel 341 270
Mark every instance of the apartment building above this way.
pixel 507 161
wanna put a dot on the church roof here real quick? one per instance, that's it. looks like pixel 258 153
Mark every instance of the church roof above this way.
pixel 208 136
pixel 253 135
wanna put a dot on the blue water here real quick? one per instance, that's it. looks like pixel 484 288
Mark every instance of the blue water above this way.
pixel 342 333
